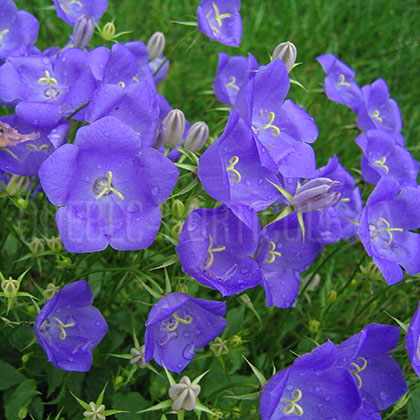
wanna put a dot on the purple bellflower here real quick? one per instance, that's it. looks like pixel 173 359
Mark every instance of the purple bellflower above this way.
pixel 282 256
pixel 384 156
pixel 18 29
pixel 26 157
pixel 385 229
pixel 215 247
pixel 412 341
pixel 71 10
pixel 220 21
pixel 367 356
pixel 146 69
pixel 313 388
pixel 378 110
pixel 178 325
pixel 339 83
pixel 108 187
pixel 47 90
pixel 69 327
pixel 236 168
pixel 282 127
pixel 233 73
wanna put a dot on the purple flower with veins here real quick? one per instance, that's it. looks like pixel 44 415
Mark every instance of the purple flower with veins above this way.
pixel 385 156
pixel 215 247
pixel 386 227
pixel 312 388
pixel 282 127
pixel 233 73
pixel 69 327
pixel 178 325
pixel 18 29
pixel 70 10
pixel 412 341
pixel 367 356
pixel 378 110
pixel 220 21
pixel 108 187
pixel 236 168
pixel 47 90
pixel 282 256
pixel 339 84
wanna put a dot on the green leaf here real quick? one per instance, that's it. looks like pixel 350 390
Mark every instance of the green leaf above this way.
pixel 112 412
pixel 169 376
pixel 186 166
pixel 83 404
pixel 301 224
pixel 258 374
pixel 9 376
pixel 200 377
pixel 179 22
pixel 101 395
pixel 414 405
pixel 160 406
pixel 204 409
pixel 400 323
pixel 251 396
pixel 171 260
pixel 283 192
pixel 295 82
pixel 21 398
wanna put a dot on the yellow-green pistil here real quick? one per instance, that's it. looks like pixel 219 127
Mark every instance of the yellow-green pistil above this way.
pixel 218 18
pixel 293 407
pixel 109 188
pixel 174 325
pixel 357 369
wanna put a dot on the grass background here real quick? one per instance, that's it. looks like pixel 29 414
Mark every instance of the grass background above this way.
pixel 377 38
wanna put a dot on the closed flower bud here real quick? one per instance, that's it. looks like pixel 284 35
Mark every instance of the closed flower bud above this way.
pixel 313 326
pixel 316 194
pixel 219 347
pixel 95 412
pixel 37 246
pixel 10 287
pixel 332 296
pixel 236 340
pixel 184 395
pixel 178 208
pixel 17 185
pixel 138 357
pixel 108 31
pixel 55 244
pixel 197 136
pixel 174 126
pixel 176 229
pixel 155 45
pixel 50 291
pixel 181 288
pixel 287 52
pixel 83 31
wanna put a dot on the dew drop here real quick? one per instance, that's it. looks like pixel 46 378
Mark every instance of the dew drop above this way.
pixel 35 122
pixel 133 208
pixel 317 389
pixel 289 387
pixel 187 334
pixel 191 227
pixel 107 134
pixel 71 360
pixel 260 181
pixel 247 182
pixel 98 166
pixel 189 351
pixel 197 331
pixel 154 191
pixel 97 323
pixel 327 398
pixel 283 296
pixel 244 271
pixel 383 395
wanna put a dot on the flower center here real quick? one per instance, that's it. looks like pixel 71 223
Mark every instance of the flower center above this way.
pixel 2 33
pixel 358 369
pixel 381 164
pixel 293 407
pixel 275 131
pixel 217 18
pixel 210 251
pixel 236 176
pixel 50 92
pixel 342 81
pixel 66 6
pixel 376 116
pixel 374 229
pixel 232 83
pixel 273 254
pixel 173 325
pixel 103 186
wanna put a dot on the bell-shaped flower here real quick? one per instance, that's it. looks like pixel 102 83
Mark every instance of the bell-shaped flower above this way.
pixel 18 29
pixel 384 156
pixel 367 356
pixel 108 187
pixel 24 147
pixel 282 127
pixel 339 83
pixel 71 10
pixel 220 21
pixel 312 388
pixel 216 247
pixel 233 73
pixel 412 341
pixel 178 325
pixel 282 255
pixel 69 327
pixel 378 110
pixel 236 168
pixel 386 227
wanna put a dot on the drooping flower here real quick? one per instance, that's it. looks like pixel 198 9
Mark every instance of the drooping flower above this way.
pixel 220 21
pixel 69 327
pixel 71 10
pixel 367 356
pixel 282 127
pixel 178 325
pixel 384 156
pixel 109 188
pixel 412 341
pixel 378 110
pixel 339 83
pixel 18 29
pixel 215 248
pixel 386 227
pixel 312 388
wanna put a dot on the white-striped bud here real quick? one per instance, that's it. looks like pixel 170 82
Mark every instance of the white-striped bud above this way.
pixel 83 31
pixel 174 127
pixel 155 45
pixel 197 136
pixel 287 52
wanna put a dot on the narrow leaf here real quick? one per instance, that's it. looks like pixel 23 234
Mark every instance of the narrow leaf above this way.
pixel 257 373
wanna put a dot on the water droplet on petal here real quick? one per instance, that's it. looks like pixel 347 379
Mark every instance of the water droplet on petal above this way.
pixel 191 227
pixel 244 271
pixel 97 323
pixel 197 331
pixel 289 387
pixel 189 351
pixel 187 334
pixel 260 181
pixel 154 191
pixel 71 360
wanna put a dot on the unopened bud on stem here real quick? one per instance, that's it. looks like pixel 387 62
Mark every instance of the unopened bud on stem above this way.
pixel 155 45
pixel 138 357
pixel 184 395
pixel 83 31
pixel 197 136
pixel 287 52
pixel 174 126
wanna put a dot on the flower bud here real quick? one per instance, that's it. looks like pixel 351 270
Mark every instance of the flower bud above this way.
pixel 181 287
pixel 50 291
pixel 55 244
pixel 95 412
pixel 197 136
pixel 108 31
pixel 184 395
pixel 10 287
pixel 236 340
pixel 37 246
pixel 155 45
pixel 316 194
pixel 17 185
pixel 219 347
pixel 83 31
pixel 287 52
pixel 174 126
pixel 313 326
pixel 138 357
pixel 176 229
pixel 178 208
